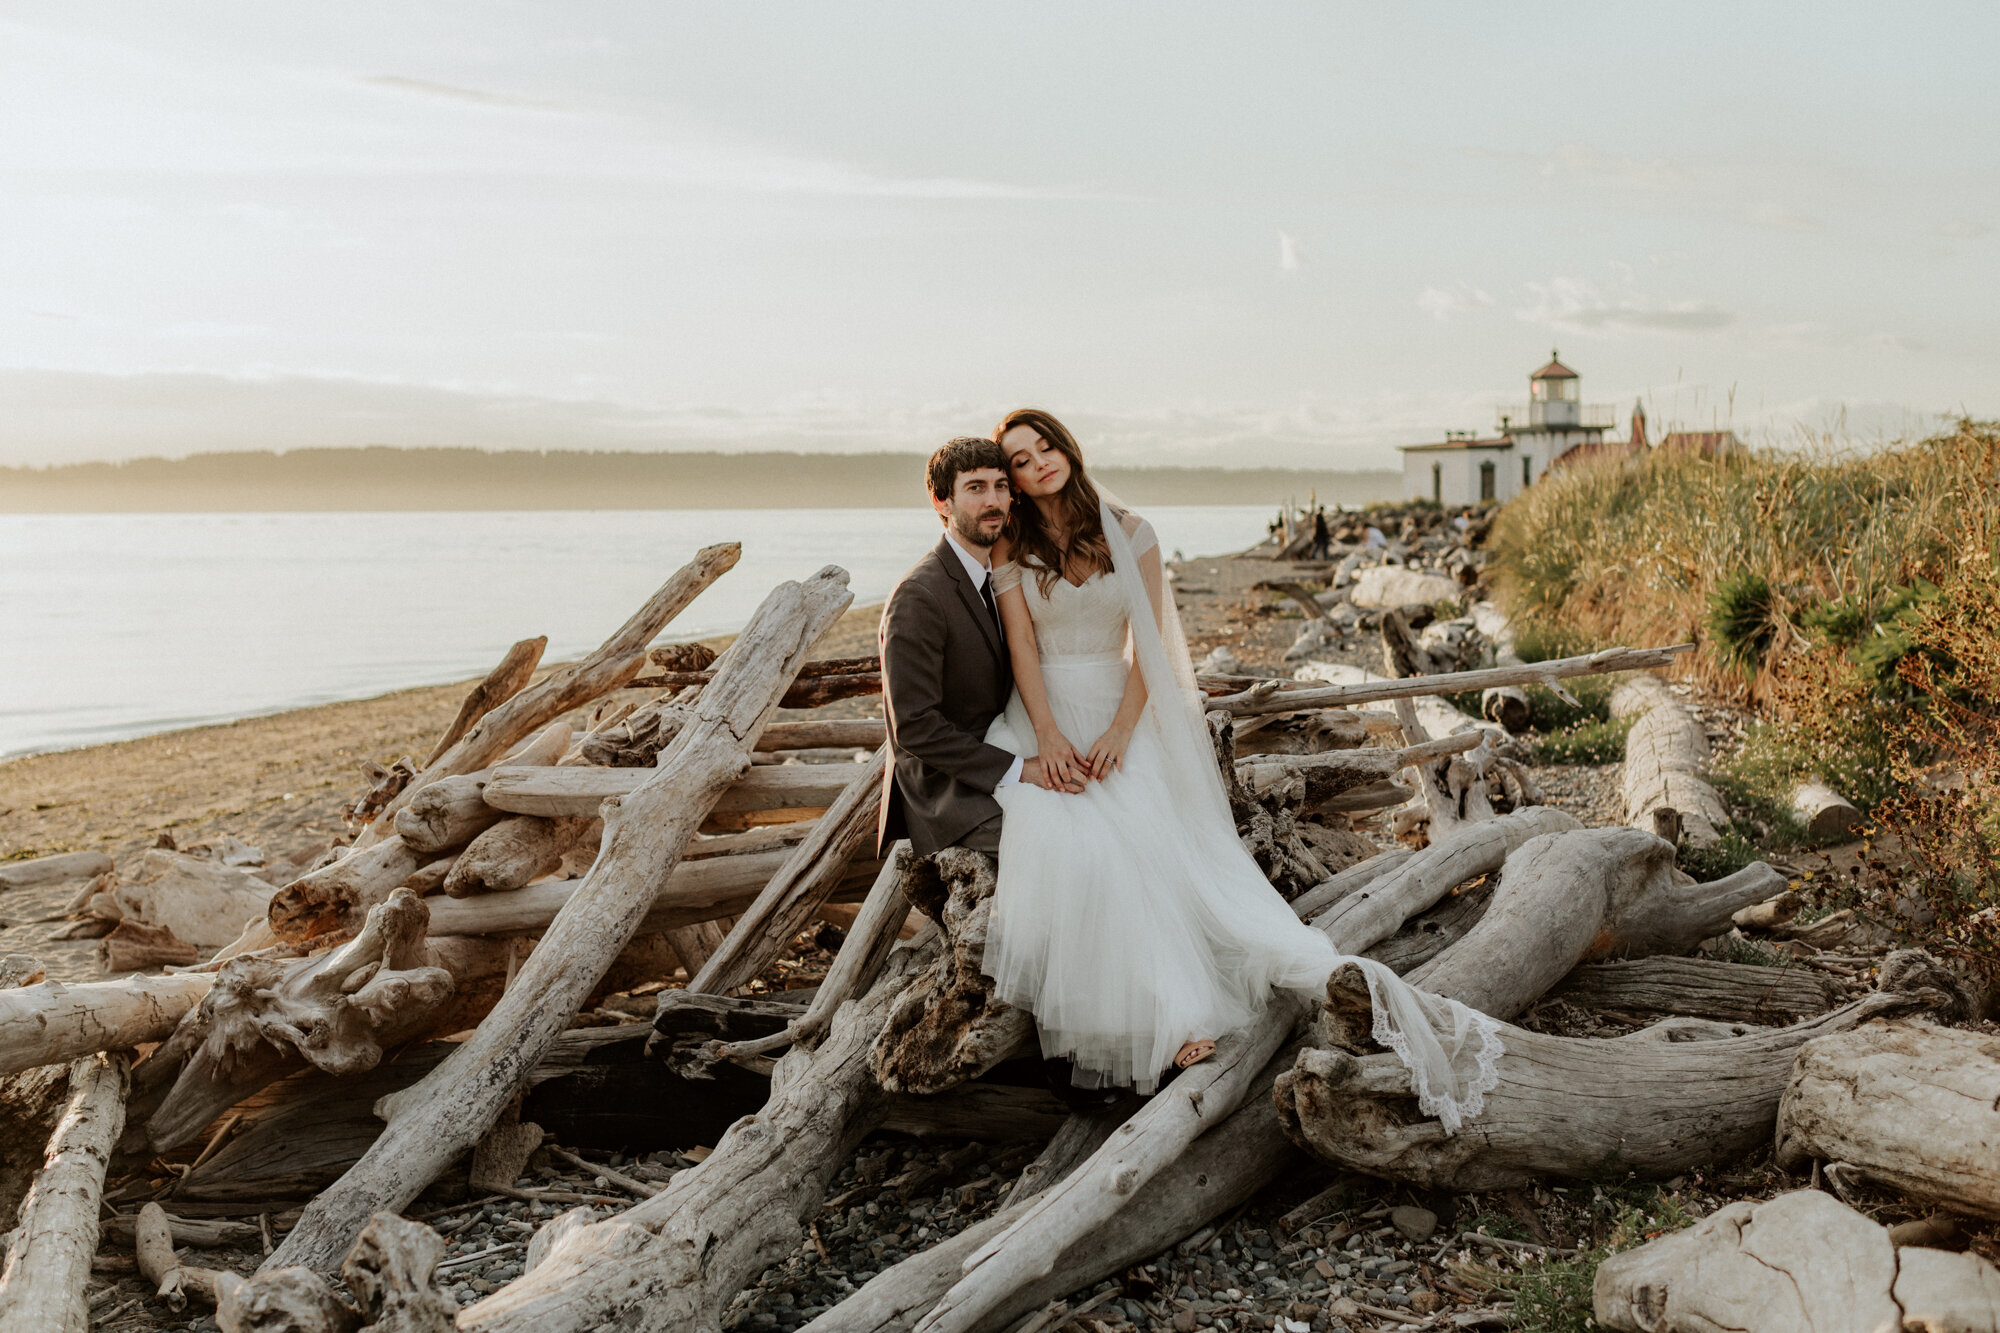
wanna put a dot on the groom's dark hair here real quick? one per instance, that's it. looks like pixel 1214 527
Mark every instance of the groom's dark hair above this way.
pixel 967 453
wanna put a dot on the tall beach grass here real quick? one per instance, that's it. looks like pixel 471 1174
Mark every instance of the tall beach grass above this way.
pixel 1852 599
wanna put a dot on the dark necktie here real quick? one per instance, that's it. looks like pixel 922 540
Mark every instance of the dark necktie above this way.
pixel 986 596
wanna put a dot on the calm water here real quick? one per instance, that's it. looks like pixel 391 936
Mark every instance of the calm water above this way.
pixel 119 625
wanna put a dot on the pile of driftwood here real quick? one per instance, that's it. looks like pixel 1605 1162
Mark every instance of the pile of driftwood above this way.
pixel 500 889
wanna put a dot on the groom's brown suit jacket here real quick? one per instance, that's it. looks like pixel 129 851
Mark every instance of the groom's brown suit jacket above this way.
pixel 945 676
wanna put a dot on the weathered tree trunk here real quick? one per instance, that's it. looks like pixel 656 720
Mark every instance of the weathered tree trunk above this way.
pixel 205 903
pixel 266 1018
pixel 1254 701
pixel 581 790
pixel 860 733
pixel 1800 1263
pixel 173 1282
pixel 1702 988
pixel 1826 813
pixel 326 899
pixel 502 683
pixel 42 1286
pixel 449 813
pixel 514 853
pixel 55 1023
pixel 617 660
pixel 1579 896
pixel 946 1026
pixel 53 869
pixel 1565 1106
pixel 702 890
pixel 131 946
pixel 431 1123
pixel 1360 920
pixel 1337 772
pixel 697 943
pixel 810 874
pixel 1911 1105
pixel 1665 753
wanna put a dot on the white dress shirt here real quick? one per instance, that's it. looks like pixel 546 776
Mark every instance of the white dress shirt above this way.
pixel 979 571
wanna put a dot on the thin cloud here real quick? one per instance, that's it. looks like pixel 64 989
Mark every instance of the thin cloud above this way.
pixel 1577 305
pixel 1964 229
pixel 1442 303
pixel 453 93
pixel 1291 256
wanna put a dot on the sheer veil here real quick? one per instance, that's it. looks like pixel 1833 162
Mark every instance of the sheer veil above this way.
pixel 1450 1049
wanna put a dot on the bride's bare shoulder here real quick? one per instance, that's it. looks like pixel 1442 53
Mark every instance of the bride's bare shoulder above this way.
pixel 1128 520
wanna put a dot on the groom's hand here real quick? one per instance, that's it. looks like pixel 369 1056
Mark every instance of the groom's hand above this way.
pixel 1031 771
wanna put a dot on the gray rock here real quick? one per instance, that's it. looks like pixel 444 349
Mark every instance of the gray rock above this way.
pixel 1417 1224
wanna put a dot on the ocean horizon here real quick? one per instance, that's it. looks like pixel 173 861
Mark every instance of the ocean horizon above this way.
pixel 115 626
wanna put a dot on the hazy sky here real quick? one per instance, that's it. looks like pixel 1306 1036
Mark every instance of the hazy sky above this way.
pixel 1241 233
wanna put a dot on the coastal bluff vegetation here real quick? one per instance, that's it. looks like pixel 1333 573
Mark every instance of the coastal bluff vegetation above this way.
pixel 379 477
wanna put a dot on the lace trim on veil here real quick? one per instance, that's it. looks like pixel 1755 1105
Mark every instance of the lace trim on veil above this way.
pixel 1451 1050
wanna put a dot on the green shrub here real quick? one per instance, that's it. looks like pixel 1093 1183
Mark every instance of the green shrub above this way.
pixel 1587 742
pixel 1728 855
pixel 1743 620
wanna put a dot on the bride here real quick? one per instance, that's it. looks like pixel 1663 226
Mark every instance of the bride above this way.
pixel 1127 917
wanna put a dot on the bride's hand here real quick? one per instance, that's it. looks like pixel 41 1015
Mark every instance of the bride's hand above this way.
pixel 1061 764
pixel 1107 755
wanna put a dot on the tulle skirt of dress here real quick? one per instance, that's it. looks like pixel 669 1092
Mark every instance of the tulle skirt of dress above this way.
pixel 1125 926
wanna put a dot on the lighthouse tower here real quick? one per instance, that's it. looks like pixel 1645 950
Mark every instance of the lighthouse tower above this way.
pixel 1555 397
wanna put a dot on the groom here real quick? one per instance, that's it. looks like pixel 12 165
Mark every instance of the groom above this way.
pixel 945 673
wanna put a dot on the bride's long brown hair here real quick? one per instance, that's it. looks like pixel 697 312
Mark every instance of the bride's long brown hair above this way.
pixel 1087 552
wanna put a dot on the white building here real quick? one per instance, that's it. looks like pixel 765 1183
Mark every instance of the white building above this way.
pixel 1464 469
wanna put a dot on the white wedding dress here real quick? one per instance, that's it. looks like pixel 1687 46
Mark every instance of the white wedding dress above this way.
pixel 1127 918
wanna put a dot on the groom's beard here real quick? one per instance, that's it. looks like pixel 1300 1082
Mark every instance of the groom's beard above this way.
pixel 971 529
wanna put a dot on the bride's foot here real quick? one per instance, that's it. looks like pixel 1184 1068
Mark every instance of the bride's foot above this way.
pixel 1194 1052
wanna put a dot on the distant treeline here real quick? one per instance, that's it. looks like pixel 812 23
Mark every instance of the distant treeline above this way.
pixel 387 478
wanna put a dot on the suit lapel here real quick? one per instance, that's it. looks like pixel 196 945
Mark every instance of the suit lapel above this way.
pixel 955 570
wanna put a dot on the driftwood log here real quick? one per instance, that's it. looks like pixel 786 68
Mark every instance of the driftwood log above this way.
pixel 54 1022
pixel 1259 699
pixel 1665 753
pixel 703 890
pixel 173 1282
pixel 48 1264
pixel 1914 1107
pixel 132 945
pixel 449 813
pixel 53 869
pixel 946 1026
pixel 516 852
pixel 502 683
pixel 1702 988
pixel 269 1017
pixel 581 790
pixel 1577 897
pixel 1800 1263
pixel 439 1118
pixel 614 662
pixel 1827 815
pixel 1565 1106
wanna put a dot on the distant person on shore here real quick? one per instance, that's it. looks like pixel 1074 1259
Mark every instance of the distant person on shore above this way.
pixel 1322 539
pixel 1374 537
pixel 1127 917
